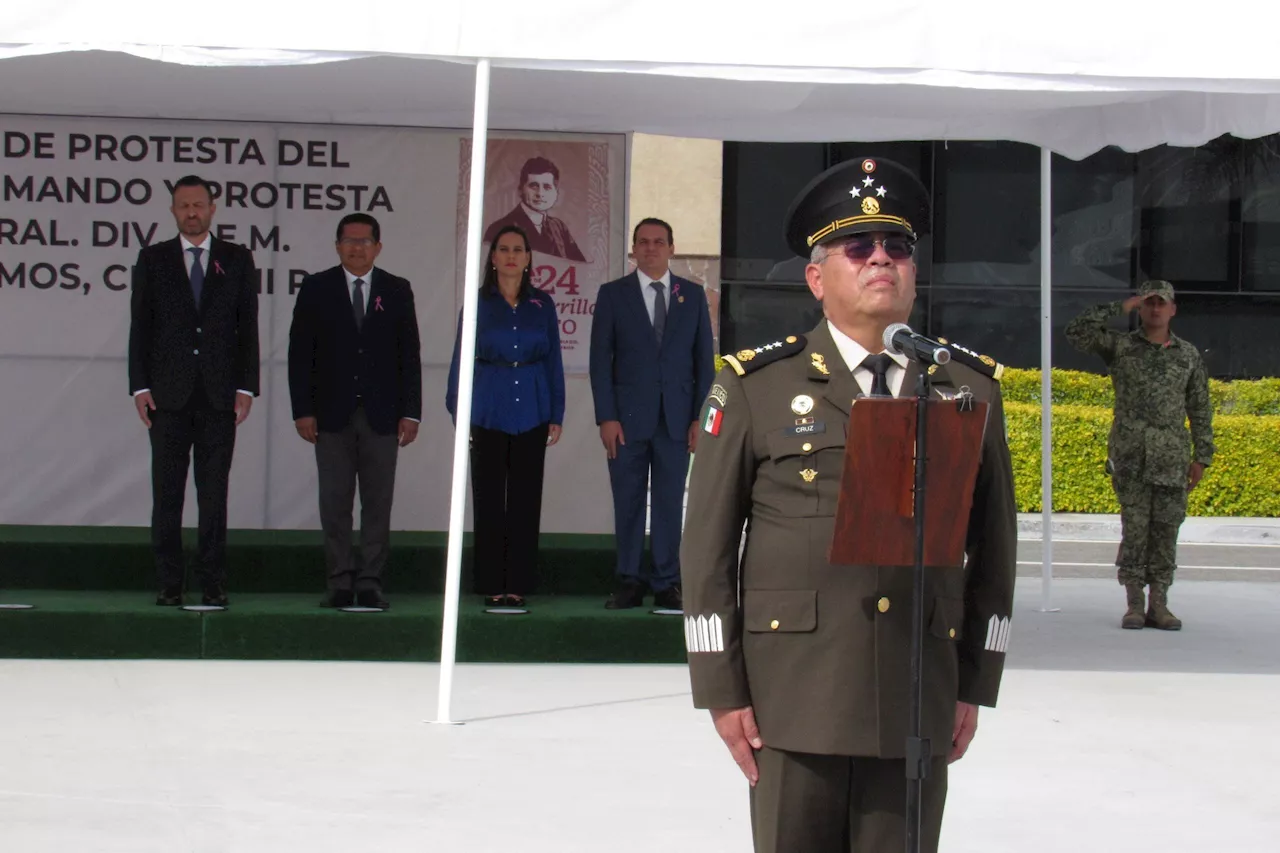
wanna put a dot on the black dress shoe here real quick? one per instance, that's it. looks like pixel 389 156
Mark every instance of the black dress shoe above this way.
pixel 628 595
pixel 170 596
pixel 495 600
pixel 669 599
pixel 372 598
pixel 338 598
pixel 214 596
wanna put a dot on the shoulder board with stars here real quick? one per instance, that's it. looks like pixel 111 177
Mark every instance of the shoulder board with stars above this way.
pixel 746 360
pixel 984 364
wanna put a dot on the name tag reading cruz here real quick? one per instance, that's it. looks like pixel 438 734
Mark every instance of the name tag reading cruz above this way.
pixel 813 428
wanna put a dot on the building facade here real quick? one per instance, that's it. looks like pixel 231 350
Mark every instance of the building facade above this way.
pixel 1207 219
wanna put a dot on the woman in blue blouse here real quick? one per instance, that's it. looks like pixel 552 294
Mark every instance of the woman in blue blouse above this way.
pixel 516 413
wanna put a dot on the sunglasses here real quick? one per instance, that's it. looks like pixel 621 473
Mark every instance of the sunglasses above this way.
pixel 860 249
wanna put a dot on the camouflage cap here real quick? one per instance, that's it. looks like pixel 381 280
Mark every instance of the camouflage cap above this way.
pixel 1156 287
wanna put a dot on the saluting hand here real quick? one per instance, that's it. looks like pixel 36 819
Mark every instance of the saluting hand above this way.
pixel 737 728
pixel 966 727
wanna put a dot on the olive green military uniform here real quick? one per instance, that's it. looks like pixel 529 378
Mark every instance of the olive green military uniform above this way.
pixel 1158 387
pixel 822 651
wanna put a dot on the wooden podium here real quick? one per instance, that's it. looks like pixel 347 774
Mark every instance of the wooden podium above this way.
pixel 910 465
pixel 875 514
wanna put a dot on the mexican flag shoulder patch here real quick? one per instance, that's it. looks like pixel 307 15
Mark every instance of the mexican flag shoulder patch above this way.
pixel 713 419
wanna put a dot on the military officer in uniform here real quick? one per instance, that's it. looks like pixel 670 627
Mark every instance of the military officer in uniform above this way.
pixel 1160 383
pixel 805 665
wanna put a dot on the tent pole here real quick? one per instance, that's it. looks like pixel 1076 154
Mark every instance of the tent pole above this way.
pixel 1046 379
pixel 466 373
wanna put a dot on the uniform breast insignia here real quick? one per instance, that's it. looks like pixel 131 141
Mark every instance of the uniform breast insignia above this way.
pixel 809 475
pixel 984 364
pixel 745 361
pixel 802 404
pixel 820 364
pixel 997 634
pixel 704 633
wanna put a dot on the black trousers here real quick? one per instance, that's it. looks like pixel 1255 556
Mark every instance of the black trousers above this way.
pixel 506 494
pixel 211 434
pixel 356 455
pixel 839 804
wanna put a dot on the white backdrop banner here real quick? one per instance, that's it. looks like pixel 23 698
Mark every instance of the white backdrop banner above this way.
pixel 80 196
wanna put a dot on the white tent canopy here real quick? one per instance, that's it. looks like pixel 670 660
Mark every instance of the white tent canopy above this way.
pixel 1072 79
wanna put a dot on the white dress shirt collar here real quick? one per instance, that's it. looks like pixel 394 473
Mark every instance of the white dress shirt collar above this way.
pixel 853 353
pixel 205 244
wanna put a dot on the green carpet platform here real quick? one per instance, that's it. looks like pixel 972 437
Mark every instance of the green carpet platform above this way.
pixel 94 593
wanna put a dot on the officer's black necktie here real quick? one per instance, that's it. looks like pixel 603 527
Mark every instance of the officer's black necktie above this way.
pixel 659 310
pixel 878 364
pixel 357 303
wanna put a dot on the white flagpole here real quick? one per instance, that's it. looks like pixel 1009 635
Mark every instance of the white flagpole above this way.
pixel 1046 378
pixel 466 373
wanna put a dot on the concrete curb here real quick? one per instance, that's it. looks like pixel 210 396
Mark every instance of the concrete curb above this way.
pixel 1206 531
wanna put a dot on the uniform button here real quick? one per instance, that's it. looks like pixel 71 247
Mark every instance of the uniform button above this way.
pixel 517 381
pixel 197 330
pixel 952 633
pixel 195 352
pixel 883 605
pixel 806 447
pixel 774 624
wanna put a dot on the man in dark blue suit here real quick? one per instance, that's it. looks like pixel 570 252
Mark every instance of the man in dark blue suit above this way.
pixel 652 363
pixel 355 380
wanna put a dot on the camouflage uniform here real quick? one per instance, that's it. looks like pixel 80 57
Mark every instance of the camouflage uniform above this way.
pixel 1158 387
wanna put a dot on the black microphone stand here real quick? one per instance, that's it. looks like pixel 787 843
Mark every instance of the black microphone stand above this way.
pixel 919 749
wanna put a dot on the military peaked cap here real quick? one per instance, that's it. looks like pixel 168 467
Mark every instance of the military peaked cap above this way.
pixel 856 197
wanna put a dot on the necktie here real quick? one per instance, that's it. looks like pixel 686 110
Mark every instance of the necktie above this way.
pixel 197 274
pixel 659 310
pixel 357 303
pixel 878 364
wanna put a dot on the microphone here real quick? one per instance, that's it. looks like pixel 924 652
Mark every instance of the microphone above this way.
pixel 899 338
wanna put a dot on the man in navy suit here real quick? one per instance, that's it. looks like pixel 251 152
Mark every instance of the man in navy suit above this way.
pixel 652 363
pixel 193 374
pixel 355 380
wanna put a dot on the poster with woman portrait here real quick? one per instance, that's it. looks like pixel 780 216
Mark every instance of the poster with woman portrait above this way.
pixel 558 192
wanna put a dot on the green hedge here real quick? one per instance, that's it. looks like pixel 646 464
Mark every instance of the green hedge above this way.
pixel 1076 388
pixel 1241 482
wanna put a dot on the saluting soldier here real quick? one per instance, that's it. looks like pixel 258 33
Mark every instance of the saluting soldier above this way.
pixel 1154 461
pixel 805 665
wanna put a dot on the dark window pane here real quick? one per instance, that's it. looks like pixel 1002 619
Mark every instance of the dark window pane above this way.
pixel 1260 214
pixel 1187 197
pixel 760 180
pixel 986 214
pixel 1094 223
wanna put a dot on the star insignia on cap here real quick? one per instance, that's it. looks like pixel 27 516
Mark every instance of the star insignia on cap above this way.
pixel 880 191
pixel 868 181
pixel 856 192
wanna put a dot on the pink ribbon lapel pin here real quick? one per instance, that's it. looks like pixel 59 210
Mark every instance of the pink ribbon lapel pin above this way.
pixel 217 267
pixel 675 291
pixel 377 303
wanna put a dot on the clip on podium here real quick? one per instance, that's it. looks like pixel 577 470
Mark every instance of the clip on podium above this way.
pixel 905 495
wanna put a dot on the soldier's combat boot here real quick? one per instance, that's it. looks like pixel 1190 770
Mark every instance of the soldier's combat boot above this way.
pixel 1158 615
pixel 1133 617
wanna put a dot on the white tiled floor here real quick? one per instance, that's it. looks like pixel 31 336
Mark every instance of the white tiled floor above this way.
pixel 1104 741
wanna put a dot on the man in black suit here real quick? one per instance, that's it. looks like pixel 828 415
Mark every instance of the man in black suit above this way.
pixel 355 379
pixel 193 374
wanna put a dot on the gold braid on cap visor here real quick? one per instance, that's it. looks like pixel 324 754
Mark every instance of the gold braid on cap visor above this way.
pixel 859 220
